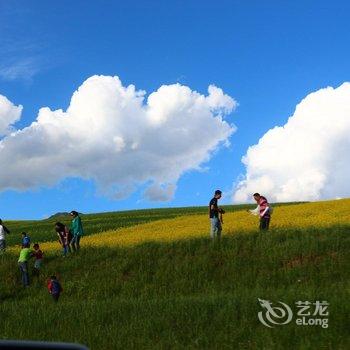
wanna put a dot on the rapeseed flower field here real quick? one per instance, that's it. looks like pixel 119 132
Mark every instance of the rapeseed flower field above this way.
pixel 298 216
pixel 161 283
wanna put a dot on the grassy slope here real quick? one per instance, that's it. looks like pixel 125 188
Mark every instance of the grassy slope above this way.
pixel 42 230
pixel 187 293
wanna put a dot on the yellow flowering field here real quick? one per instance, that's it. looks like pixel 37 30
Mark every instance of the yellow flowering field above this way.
pixel 317 214
pixel 157 295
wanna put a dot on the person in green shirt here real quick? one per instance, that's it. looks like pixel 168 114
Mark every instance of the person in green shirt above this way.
pixel 76 228
pixel 24 256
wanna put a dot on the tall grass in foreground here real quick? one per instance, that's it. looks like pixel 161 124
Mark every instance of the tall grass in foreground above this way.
pixel 187 293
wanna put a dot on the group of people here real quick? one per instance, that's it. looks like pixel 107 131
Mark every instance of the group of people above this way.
pixel 25 255
pixel 54 286
pixel 263 210
pixel 69 239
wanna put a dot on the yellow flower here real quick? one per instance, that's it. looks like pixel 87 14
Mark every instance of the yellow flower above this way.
pixel 317 214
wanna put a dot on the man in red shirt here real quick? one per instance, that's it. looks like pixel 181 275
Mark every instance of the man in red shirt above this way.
pixel 55 288
pixel 263 210
pixel 38 254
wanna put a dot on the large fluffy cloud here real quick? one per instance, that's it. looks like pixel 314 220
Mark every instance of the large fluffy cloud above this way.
pixel 9 114
pixel 308 157
pixel 111 134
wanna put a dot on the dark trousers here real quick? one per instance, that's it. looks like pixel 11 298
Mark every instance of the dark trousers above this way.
pixel 264 224
pixel 55 296
pixel 75 243
pixel 23 267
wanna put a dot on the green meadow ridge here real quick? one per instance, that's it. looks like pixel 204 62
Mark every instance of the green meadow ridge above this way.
pixel 185 294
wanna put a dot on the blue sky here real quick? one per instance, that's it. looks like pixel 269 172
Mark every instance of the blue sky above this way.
pixel 267 55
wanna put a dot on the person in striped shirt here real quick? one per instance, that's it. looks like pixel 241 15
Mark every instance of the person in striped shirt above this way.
pixel 263 210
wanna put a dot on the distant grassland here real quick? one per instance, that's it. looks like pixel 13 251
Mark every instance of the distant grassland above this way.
pixel 163 284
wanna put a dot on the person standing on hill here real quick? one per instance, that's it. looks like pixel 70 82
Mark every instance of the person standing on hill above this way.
pixel 25 240
pixel 76 229
pixel 215 217
pixel 3 232
pixel 25 254
pixel 38 255
pixel 63 237
pixel 263 210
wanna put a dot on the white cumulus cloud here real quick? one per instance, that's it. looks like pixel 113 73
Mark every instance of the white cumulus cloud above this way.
pixel 308 157
pixel 117 137
pixel 9 114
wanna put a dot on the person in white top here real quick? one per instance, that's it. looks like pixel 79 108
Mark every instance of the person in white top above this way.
pixel 264 211
pixel 3 232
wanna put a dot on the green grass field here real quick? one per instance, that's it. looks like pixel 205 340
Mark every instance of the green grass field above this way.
pixel 184 294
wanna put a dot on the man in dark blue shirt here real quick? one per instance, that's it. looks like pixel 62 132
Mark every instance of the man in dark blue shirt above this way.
pixel 215 222
pixel 25 240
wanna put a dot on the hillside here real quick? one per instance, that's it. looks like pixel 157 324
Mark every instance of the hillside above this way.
pixel 164 284
pixel 43 230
